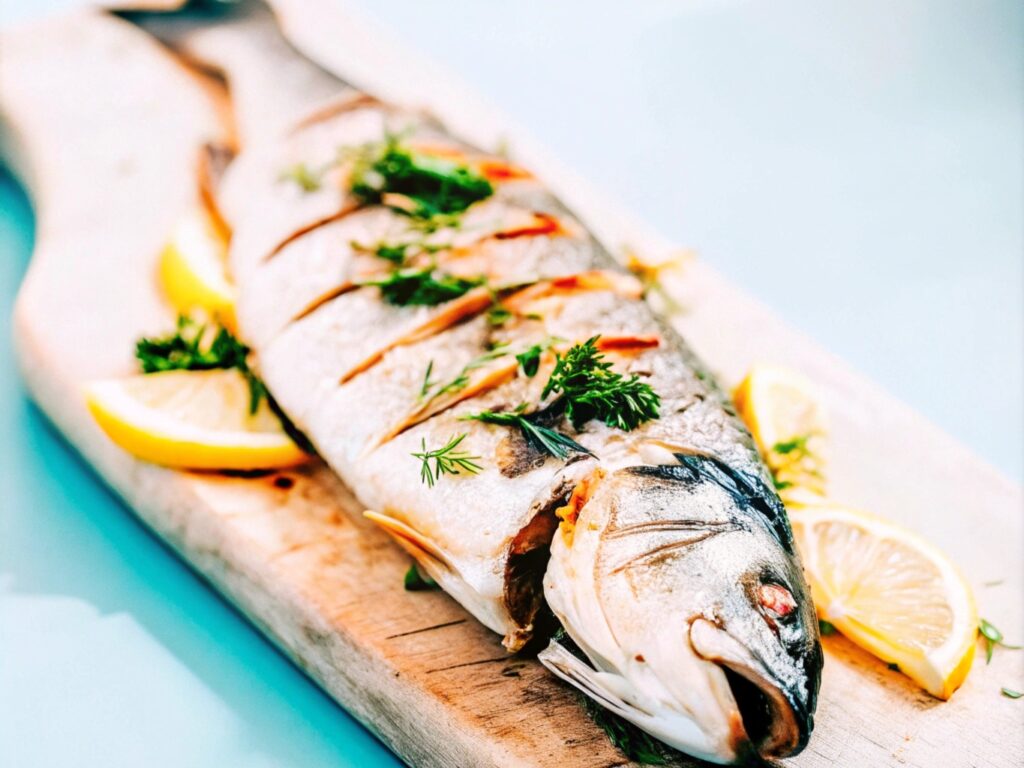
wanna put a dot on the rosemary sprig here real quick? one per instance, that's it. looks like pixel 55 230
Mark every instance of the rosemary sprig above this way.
pixel 448 460
pixel 540 437
pixel 590 389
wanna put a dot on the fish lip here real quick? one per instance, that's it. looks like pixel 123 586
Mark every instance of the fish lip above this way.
pixel 789 727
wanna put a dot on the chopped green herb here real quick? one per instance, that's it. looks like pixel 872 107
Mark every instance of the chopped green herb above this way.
pixel 418 582
pixel 448 460
pixel 826 628
pixel 197 346
pixel 305 177
pixel 781 485
pixel 590 389
pixel 542 438
pixel 798 444
pixel 1010 693
pixel 529 360
pixel 422 287
pixel 398 253
pixel 498 315
pixel 635 744
pixel 993 637
pixel 432 185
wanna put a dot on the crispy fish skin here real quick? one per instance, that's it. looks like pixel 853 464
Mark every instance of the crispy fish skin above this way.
pixel 671 559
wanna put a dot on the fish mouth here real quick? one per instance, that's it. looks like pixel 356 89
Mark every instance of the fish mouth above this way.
pixel 770 721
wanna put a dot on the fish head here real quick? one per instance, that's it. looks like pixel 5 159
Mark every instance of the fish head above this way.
pixel 681 586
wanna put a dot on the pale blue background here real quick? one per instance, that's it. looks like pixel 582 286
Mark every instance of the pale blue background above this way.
pixel 857 165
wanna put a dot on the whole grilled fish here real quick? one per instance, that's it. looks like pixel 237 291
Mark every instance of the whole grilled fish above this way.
pixel 663 550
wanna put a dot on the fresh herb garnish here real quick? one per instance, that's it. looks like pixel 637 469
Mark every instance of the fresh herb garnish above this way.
pixel 498 315
pixel 993 637
pixel 1010 693
pixel 529 360
pixel 197 346
pixel 542 438
pixel 421 287
pixel 427 383
pixel 462 379
pixel 398 253
pixel 416 581
pixel 433 185
pixel 448 460
pixel 305 177
pixel 826 628
pixel 590 389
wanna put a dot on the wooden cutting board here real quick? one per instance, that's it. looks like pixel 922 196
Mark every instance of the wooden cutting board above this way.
pixel 105 126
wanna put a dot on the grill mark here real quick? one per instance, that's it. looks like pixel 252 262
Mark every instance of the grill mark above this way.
pixel 459 310
pixel 324 298
pixel 350 102
pixel 349 207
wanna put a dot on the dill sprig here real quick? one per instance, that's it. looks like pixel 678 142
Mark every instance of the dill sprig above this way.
pixel 307 179
pixel 195 346
pixel 421 287
pixel 448 460
pixel 428 186
pixel 540 437
pixel 590 389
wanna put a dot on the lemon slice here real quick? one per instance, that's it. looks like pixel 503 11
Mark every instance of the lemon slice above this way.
pixel 193 420
pixel 788 424
pixel 192 269
pixel 890 592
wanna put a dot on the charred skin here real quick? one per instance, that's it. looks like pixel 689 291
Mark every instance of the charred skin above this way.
pixel 673 519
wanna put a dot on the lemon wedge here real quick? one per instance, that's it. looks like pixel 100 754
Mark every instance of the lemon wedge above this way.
pixel 788 424
pixel 192 268
pixel 192 420
pixel 890 592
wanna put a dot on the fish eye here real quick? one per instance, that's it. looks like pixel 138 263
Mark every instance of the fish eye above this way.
pixel 776 601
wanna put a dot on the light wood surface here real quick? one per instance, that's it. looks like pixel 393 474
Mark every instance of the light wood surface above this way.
pixel 110 172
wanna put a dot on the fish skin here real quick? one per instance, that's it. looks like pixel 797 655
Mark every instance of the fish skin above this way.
pixel 696 459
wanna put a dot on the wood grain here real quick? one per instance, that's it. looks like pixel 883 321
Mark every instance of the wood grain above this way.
pixel 291 550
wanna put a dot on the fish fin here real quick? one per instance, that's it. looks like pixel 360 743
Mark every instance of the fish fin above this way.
pixel 422 549
pixel 579 674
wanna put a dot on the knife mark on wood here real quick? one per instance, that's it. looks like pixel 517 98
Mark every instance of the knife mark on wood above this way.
pixel 426 629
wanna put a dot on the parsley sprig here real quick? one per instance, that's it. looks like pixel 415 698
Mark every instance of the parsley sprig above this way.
pixel 590 389
pixel 196 346
pixel 540 437
pixel 415 581
pixel 421 287
pixel 434 186
pixel 449 459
